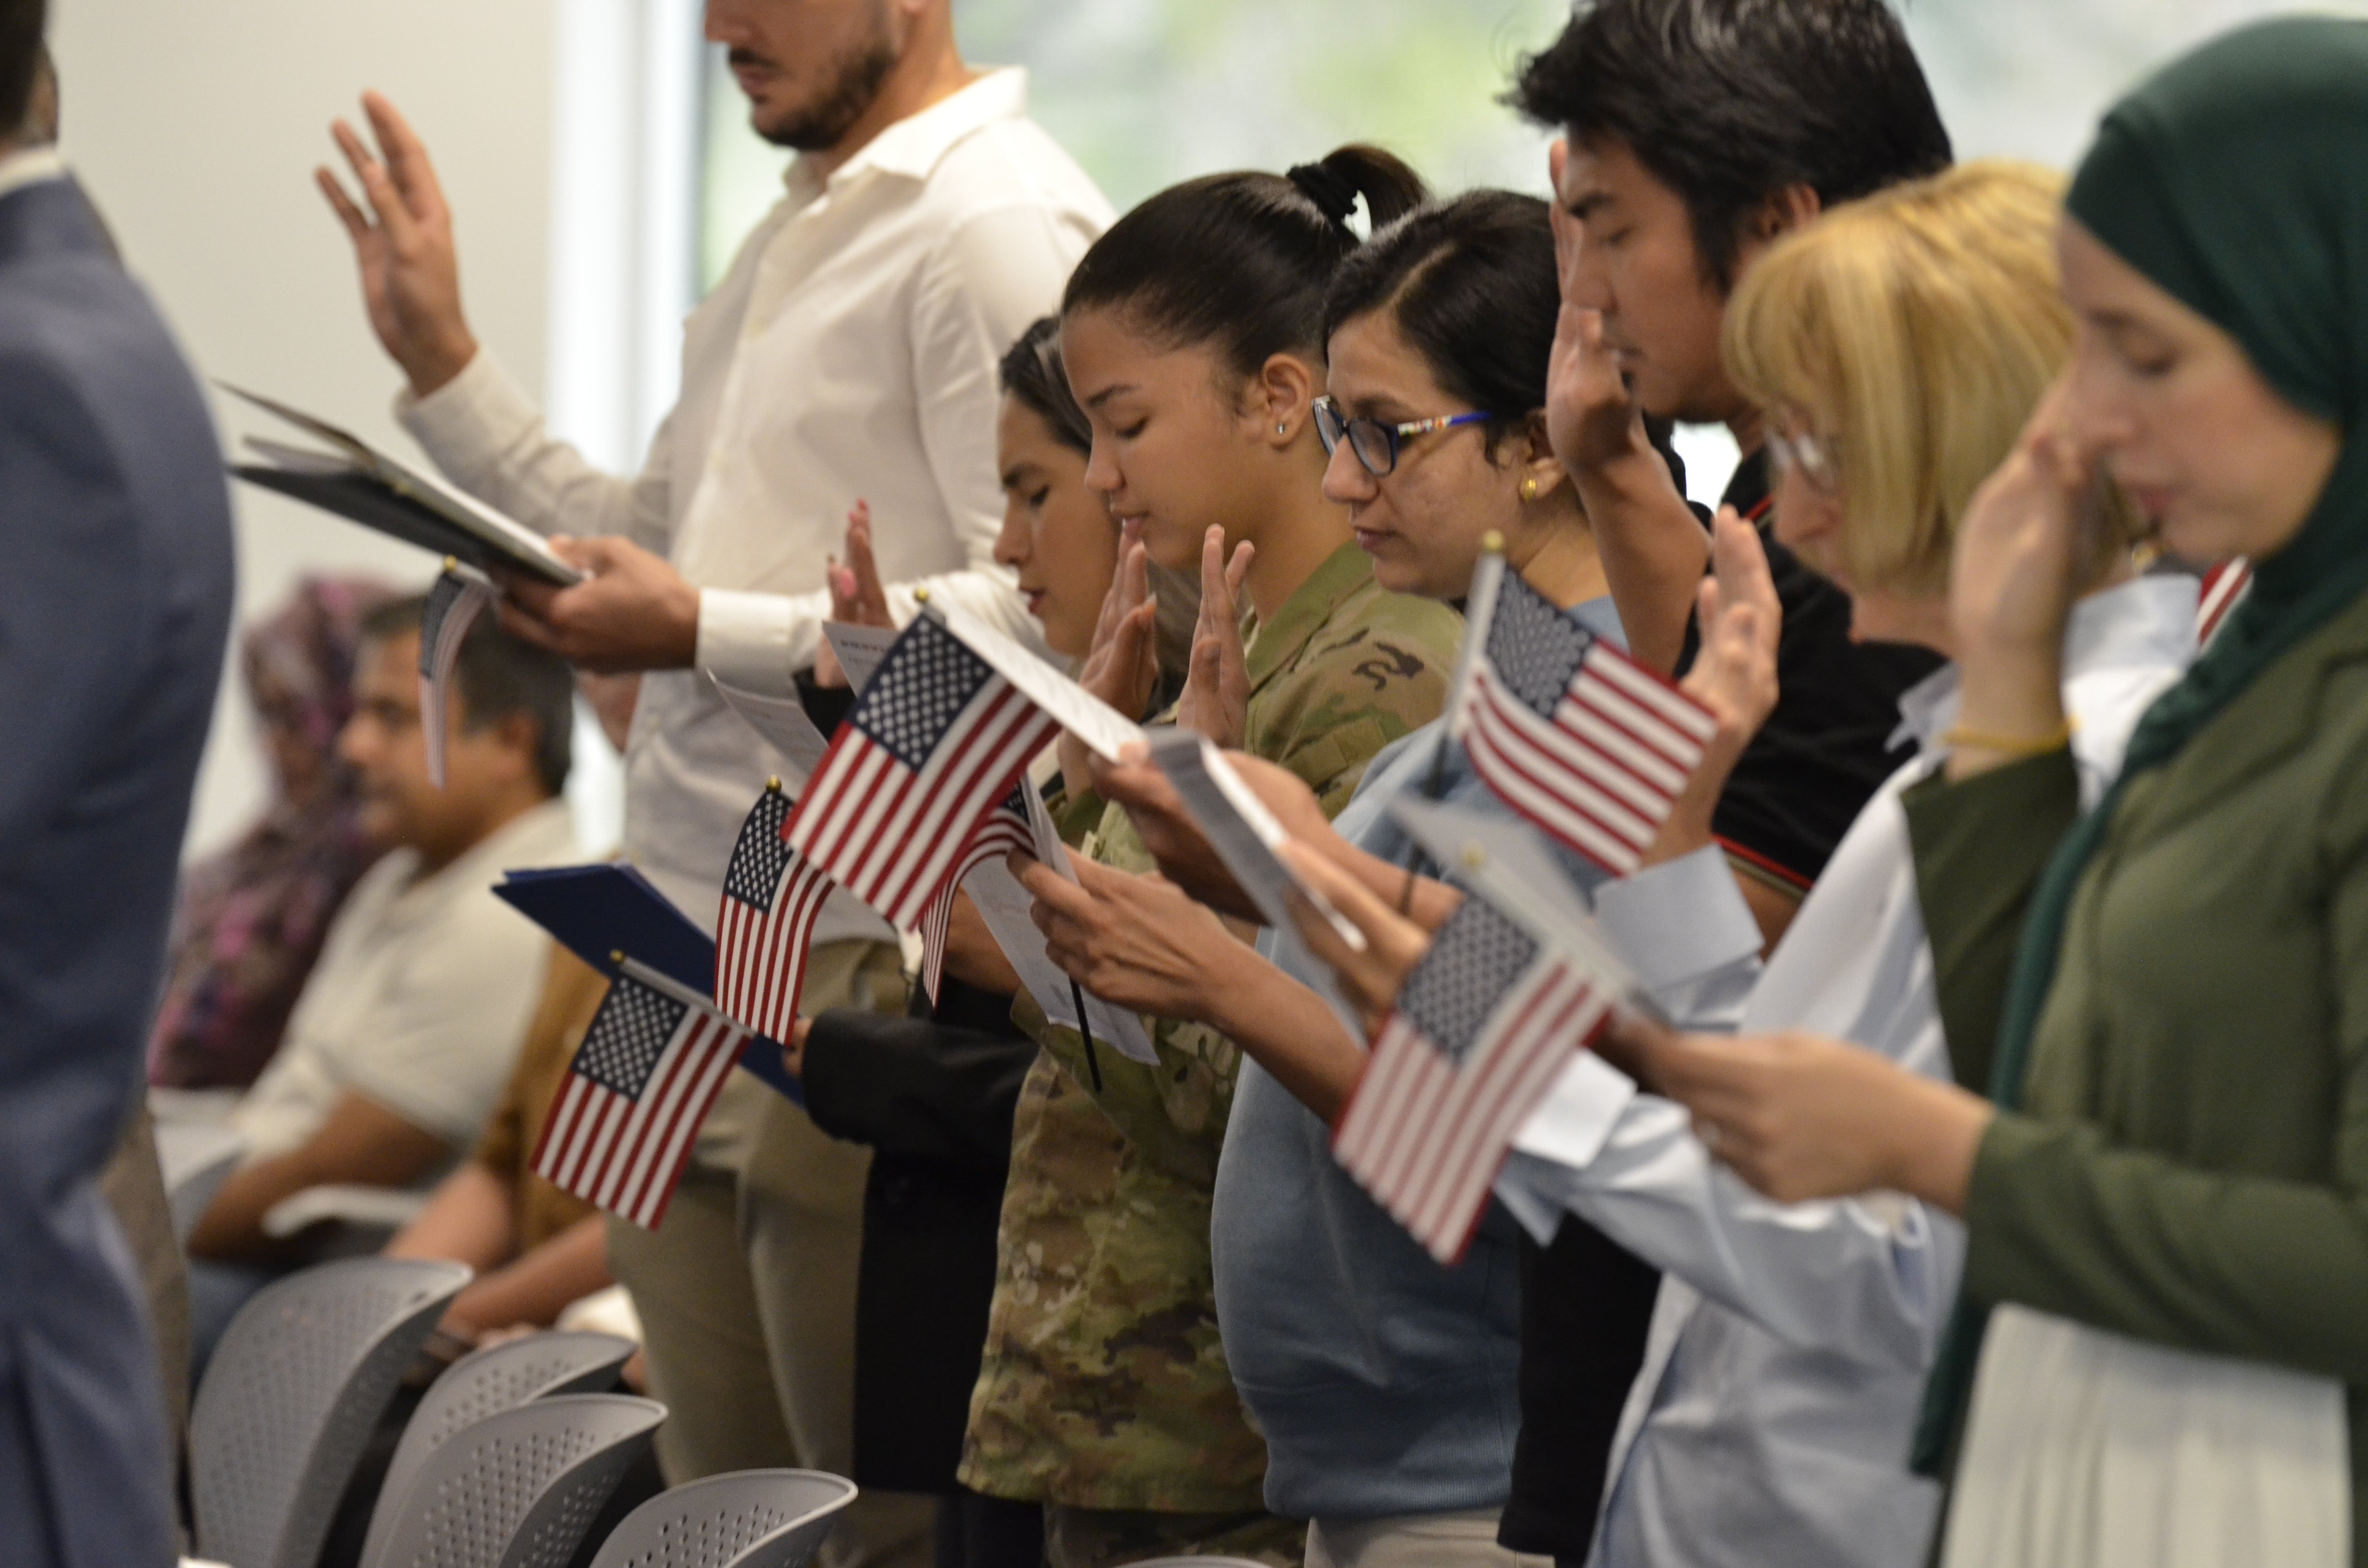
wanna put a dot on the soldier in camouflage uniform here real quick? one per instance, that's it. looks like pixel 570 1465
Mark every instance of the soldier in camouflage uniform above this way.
pixel 1104 1389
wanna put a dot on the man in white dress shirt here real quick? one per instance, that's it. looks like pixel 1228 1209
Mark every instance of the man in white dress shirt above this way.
pixel 849 352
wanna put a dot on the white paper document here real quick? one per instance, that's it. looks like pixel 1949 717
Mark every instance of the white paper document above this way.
pixel 1239 828
pixel 1075 709
pixel 783 723
pixel 481 531
pixel 858 649
pixel 1003 904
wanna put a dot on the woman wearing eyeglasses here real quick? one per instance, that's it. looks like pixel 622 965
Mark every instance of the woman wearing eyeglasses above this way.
pixel 1390 1390
pixel 1897 347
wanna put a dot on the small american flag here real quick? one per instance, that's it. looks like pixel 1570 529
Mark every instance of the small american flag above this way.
pixel 1569 731
pixel 1005 829
pixel 622 1127
pixel 935 740
pixel 771 897
pixel 453 606
pixel 2222 588
pixel 1486 1022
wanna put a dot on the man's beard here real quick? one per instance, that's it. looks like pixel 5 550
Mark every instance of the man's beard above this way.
pixel 853 85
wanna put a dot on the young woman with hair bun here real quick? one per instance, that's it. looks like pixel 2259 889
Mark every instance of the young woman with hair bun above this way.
pixel 1191 337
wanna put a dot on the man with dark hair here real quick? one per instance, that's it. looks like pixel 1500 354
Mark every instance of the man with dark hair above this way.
pixel 1695 133
pixel 115 600
pixel 848 352
pixel 407 1027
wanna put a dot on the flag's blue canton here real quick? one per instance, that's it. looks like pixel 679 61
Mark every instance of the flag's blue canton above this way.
pixel 622 1047
pixel 1016 802
pixel 759 859
pixel 1477 959
pixel 440 600
pixel 1535 648
pixel 928 678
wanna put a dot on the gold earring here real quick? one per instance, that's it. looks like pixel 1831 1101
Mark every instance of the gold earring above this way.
pixel 1528 487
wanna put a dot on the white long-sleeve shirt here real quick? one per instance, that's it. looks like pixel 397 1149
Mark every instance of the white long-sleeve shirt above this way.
pixel 849 352
pixel 1771 1421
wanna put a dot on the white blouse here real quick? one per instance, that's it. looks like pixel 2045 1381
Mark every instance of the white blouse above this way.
pixel 1785 1365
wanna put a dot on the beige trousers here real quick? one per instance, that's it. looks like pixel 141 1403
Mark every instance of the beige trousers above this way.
pixel 133 1186
pixel 747 1291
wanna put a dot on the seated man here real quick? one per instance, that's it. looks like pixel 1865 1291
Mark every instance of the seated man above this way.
pixel 404 1036
pixel 536 1249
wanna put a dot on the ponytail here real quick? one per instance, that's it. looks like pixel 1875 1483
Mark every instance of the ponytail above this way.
pixel 1241 261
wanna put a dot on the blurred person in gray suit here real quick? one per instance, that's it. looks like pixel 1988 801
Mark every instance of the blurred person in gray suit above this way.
pixel 115 600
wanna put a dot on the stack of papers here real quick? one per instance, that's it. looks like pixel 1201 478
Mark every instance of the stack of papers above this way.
pixel 358 482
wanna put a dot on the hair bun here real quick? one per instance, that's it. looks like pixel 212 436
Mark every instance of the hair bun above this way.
pixel 1334 194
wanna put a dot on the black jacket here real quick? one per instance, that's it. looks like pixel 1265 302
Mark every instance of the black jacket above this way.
pixel 932 1093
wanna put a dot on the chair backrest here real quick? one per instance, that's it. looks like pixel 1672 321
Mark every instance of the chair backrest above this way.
pixel 292 1396
pixel 518 1489
pixel 485 1383
pixel 749 1519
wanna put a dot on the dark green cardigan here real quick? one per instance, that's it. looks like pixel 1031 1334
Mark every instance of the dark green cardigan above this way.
pixel 2190 1164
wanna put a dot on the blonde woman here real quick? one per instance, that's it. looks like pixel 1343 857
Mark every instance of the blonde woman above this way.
pixel 1898 346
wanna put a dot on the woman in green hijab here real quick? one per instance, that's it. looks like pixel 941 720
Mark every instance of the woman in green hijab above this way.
pixel 2165 1189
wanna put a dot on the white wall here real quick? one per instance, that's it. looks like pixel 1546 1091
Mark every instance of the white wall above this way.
pixel 197 128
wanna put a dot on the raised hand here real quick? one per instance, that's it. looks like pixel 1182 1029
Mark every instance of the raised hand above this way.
pixel 1734 675
pixel 2029 546
pixel 1216 696
pixel 634 612
pixel 403 247
pixel 857 596
pixel 1122 665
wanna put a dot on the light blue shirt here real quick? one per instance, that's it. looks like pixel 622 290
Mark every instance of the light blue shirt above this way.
pixel 1770 1424
pixel 1384 1382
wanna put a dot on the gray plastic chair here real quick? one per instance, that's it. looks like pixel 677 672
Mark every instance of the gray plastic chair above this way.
pixel 292 1396
pixel 485 1383
pixel 518 1489
pixel 750 1519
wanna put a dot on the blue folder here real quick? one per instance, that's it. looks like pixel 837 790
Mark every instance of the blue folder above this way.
pixel 597 912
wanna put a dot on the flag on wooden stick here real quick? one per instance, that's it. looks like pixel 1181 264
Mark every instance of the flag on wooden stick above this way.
pixel 1486 1023
pixel 935 740
pixel 1566 728
pixel 771 897
pixel 1005 829
pixel 620 1128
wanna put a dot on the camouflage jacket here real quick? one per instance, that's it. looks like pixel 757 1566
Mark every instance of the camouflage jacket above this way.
pixel 1103 1383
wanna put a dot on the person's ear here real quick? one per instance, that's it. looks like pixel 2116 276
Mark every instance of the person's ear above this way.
pixel 1791 207
pixel 1280 396
pixel 1796 205
pixel 1540 469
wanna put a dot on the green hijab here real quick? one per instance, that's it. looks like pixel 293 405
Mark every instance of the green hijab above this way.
pixel 2236 180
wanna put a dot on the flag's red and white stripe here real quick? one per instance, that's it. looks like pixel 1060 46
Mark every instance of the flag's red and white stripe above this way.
pixel 1426 1136
pixel 765 923
pixel 2222 587
pixel 1603 770
pixel 999 835
pixel 890 834
pixel 625 1154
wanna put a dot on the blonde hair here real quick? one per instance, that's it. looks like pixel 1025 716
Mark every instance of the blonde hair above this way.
pixel 1915 330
